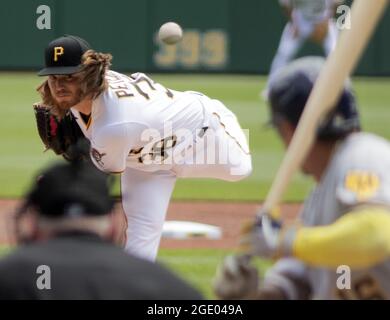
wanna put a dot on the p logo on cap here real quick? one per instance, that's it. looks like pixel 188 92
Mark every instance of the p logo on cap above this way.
pixel 58 51
pixel 64 55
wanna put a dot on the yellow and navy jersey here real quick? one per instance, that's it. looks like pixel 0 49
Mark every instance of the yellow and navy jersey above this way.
pixel 342 249
pixel 356 188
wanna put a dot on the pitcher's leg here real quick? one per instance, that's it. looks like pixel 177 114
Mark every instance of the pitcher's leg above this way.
pixel 145 199
pixel 223 152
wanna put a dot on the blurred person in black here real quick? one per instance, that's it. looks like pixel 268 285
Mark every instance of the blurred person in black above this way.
pixel 66 229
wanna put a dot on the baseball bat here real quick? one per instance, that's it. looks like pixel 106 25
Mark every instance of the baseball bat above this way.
pixel 340 63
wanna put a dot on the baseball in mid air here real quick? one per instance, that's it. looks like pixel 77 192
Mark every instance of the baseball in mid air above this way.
pixel 170 33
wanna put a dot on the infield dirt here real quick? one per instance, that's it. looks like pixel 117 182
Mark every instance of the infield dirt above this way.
pixel 229 216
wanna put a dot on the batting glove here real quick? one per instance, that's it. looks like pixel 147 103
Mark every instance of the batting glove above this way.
pixel 236 278
pixel 266 238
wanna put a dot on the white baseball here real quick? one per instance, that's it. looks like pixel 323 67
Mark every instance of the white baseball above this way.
pixel 170 33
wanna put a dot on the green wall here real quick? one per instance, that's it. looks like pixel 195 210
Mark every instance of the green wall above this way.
pixel 220 35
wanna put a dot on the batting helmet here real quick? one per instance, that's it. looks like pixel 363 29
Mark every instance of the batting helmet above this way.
pixel 289 89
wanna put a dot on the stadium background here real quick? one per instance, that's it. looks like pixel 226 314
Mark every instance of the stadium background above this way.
pixel 227 48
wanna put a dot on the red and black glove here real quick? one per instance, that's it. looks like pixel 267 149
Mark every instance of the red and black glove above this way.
pixel 60 135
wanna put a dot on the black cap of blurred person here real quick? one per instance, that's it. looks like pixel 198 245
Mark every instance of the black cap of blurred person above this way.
pixel 71 190
pixel 290 88
pixel 63 56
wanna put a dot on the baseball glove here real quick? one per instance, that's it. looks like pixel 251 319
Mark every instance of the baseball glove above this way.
pixel 59 135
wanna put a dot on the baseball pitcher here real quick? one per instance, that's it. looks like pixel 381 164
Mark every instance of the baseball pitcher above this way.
pixel 148 133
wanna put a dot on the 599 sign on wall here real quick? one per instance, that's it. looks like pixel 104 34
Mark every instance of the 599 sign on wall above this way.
pixel 206 50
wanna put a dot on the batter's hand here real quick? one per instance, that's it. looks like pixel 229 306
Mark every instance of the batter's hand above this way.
pixel 236 278
pixel 254 241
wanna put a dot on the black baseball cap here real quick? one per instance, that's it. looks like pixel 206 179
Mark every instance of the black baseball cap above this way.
pixel 63 55
pixel 290 88
pixel 69 190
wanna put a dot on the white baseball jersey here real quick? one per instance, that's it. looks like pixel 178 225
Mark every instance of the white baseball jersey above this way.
pixel 306 15
pixel 359 173
pixel 140 124
pixel 152 135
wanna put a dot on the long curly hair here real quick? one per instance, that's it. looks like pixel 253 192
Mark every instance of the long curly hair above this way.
pixel 92 80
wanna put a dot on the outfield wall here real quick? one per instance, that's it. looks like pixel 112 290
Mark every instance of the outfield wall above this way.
pixel 219 35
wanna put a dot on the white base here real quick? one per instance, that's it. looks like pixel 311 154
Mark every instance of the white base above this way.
pixel 190 230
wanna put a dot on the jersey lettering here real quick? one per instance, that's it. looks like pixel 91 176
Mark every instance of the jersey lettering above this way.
pixel 136 84
pixel 158 151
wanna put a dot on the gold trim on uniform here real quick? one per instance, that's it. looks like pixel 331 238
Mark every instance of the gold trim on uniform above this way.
pixel 89 121
pixel 235 139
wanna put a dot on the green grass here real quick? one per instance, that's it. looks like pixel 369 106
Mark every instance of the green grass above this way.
pixel 4 250
pixel 198 266
pixel 22 152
